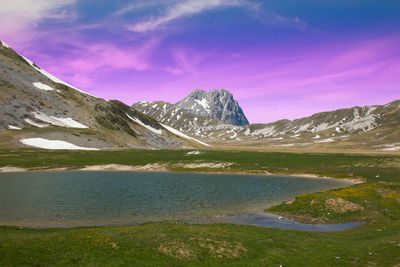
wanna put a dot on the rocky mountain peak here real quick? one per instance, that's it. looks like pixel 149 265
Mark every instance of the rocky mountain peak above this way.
pixel 216 104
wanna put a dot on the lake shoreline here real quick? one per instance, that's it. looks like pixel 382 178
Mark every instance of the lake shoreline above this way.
pixel 156 167
pixel 263 220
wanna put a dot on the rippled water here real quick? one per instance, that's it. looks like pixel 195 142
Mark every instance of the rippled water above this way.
pixel 78 198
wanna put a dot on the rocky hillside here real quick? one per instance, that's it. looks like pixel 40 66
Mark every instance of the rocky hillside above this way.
pixel 216 104
pixel 39 110
pixel 176 117
pixel 374 127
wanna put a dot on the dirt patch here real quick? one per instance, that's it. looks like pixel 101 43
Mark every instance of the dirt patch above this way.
pixel 340 205
pixel 195 246
pixel 11 169
pixel 118 167
pixel 310 175
pixel 177 249
pixel 290 202
pixel 388 193
pixel 212 165
pixel 221 249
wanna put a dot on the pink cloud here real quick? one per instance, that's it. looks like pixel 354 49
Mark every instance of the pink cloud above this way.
pixel 86 63
pixel 188 59
pixel 365 52
pixel 103 55
pixel 270 88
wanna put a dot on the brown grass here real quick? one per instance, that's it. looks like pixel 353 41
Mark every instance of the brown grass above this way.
pixel 341 205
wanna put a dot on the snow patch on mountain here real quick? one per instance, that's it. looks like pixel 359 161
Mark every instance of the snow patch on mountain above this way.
pixel 203 103
pixel 303 127
pixel 178 133
pixel 365 124
pixel 328 140
pixel 195 152
pixel 266 132
pixel 53 144
pixel 4 44
pixel 12 127
pixel 36 124
pixel 394 148
pixel 62 122
pixel 148 127
pixel 42 86
pixel 52 77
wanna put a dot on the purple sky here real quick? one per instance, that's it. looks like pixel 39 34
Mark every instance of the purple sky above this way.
pixel 280 59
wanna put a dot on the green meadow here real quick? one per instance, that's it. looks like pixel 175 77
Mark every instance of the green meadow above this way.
pixel 376 202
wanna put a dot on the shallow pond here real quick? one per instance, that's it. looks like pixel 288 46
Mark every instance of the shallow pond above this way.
pixel 79 198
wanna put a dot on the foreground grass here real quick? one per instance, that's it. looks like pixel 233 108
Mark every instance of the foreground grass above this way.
pixel 376 202
pixel 171 244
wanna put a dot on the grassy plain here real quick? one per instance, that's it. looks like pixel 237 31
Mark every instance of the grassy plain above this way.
pixel 375 202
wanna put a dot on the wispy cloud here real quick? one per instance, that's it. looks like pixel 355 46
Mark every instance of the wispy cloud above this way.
pixel 187 60
pixel 22 16
pixel 186 8
pixel 87 63
pixel 289 21
pixel 132 7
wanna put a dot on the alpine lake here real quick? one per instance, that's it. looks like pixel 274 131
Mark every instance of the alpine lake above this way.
pixel 104 198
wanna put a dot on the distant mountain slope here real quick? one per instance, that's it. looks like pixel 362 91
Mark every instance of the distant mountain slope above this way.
pixel 370 127
pixel 39 110
pixel 175 116
pixel 342 121
pixel 216 104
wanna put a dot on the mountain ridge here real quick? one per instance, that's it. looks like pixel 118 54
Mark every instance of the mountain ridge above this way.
pixel 39 110
pixel 342 126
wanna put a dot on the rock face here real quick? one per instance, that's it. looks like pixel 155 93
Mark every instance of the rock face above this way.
pixel 216 104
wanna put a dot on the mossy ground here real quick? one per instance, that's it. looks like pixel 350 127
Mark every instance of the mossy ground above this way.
pixel 376 202
pixel 177 244
pixel 369 202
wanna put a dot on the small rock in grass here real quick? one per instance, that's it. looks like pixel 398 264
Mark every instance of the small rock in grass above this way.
pixel 114 245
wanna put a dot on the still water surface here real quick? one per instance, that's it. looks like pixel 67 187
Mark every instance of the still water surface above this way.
pixel 78 198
